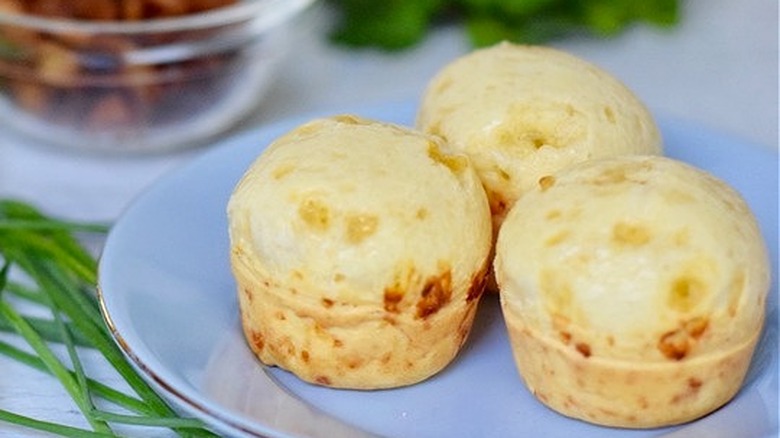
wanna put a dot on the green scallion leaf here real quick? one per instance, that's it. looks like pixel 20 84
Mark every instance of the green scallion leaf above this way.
pixel 60 275
pixel 58 429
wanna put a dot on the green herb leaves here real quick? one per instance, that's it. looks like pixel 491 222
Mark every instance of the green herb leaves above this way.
pixel 45 267
pixel 399 24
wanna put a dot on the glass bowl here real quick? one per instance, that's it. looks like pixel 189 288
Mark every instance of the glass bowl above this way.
pixel 138 85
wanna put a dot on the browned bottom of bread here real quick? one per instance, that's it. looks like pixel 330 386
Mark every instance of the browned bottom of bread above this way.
pixel 623 393
pixel 348 345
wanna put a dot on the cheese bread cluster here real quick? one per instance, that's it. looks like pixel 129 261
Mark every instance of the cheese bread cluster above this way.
pixel 633 286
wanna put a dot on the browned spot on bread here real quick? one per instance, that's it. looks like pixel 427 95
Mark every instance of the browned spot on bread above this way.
pixel 282 171
pixel 435 293
pixel 693 385
pixel 609 114
pixel 635 173
pixel 611 176
pixel 323 380
pixel 478 285
pixel 630 234
pixel 327 303
pixel 392 299
pixel 583 349
pixel 503 174
pixel 248 294
pixel 305 356
pixel 498 204
pixel 456 163
pixel 557 238
pixel 315 214
pixel 258 340
pixel 387 357
pixel 546 182
pixel 696 326
pixel 406 279
pixel 686 292
pixel 360 226
pixel 608 412
pixel 676 344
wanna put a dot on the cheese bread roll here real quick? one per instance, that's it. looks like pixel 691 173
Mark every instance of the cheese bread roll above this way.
pixel 634 291
pixel 523 113
pixel 360 250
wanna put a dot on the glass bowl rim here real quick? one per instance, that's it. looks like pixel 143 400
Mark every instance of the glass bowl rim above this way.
pixel 272 12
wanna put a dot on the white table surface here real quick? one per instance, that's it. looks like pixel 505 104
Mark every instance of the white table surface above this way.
pixel 719 68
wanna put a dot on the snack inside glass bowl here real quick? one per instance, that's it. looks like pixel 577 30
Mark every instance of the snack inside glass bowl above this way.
pixel 137 75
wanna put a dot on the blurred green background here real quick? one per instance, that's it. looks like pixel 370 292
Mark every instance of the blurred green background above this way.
pixel 399 24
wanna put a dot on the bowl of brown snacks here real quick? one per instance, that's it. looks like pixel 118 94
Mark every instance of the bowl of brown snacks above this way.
pixel 137 75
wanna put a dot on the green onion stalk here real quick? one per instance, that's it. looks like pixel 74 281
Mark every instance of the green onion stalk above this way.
pixel 44 265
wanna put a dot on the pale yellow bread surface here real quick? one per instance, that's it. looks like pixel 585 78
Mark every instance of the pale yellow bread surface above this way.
pixel 525 112
pixel 360 250
pixel 633 289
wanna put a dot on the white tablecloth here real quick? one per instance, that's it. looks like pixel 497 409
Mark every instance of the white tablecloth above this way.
pixel 719 68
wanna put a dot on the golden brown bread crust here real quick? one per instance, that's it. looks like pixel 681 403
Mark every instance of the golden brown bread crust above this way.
pixel 355 346
pixel 570 380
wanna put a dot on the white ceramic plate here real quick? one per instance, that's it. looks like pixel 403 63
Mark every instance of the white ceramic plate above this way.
pixel 169 296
